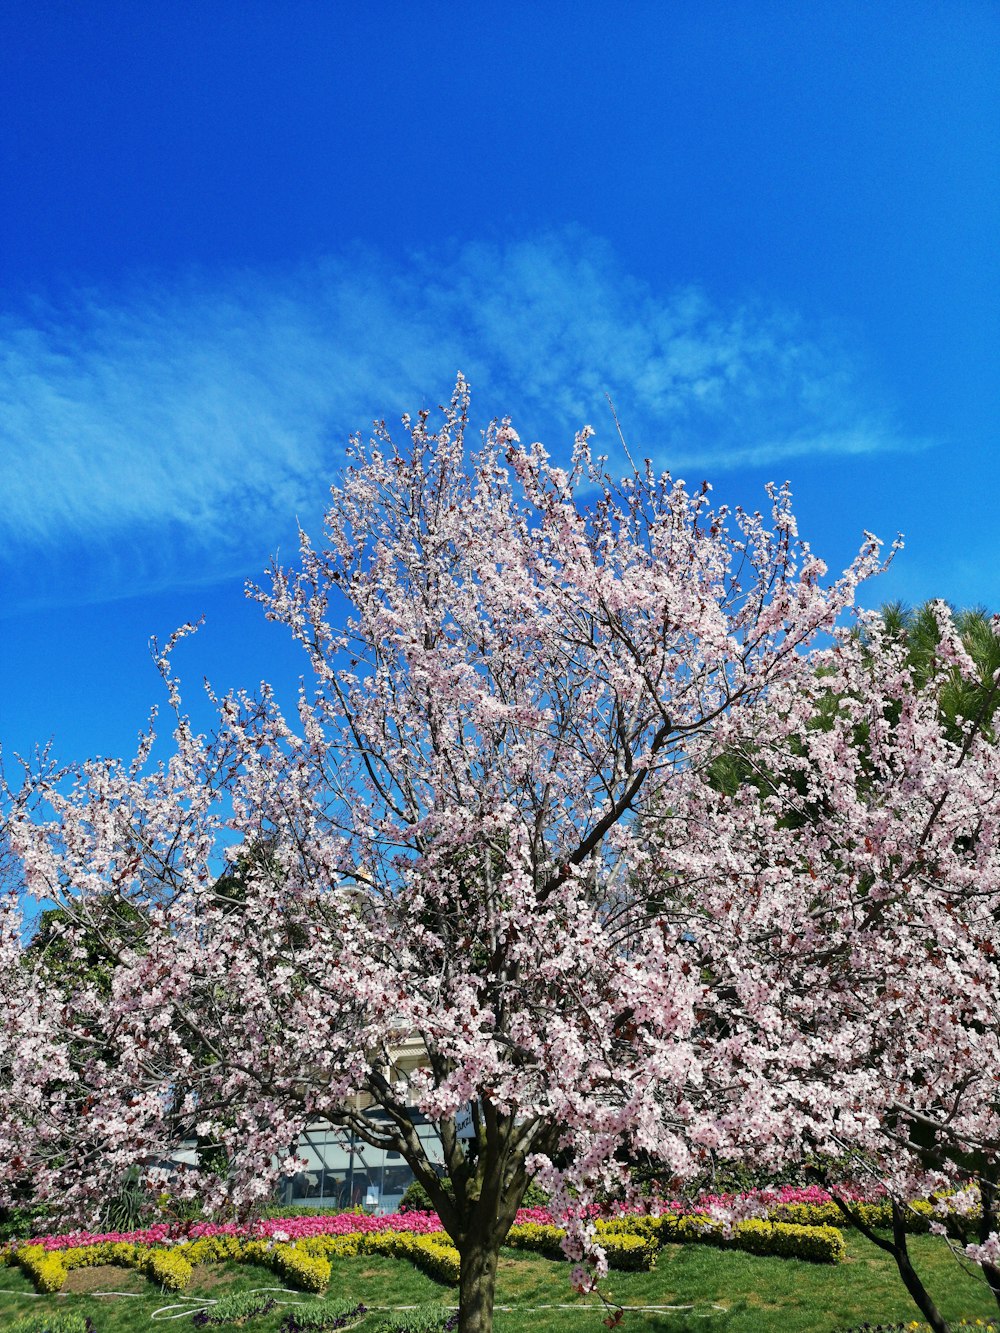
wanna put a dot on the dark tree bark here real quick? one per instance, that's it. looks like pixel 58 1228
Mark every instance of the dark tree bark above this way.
pixel 477 1284
pixel 898 1249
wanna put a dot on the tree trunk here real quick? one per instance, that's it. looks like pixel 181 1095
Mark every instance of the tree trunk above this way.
pixel 898 1249
pixel 477 1283
pixel 908 1273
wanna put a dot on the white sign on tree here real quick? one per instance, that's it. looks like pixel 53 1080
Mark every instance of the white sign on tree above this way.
pixel 464 1127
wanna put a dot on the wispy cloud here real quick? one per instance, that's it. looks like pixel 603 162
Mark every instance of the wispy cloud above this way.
pixel 170 431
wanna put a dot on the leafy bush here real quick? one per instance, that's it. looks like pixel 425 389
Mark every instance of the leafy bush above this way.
pixel 629 1252
pixel 212 1249
pixel 626 1249
pixel 323 1314
pixel 343 1247
pixel 24 1220
pixel 45 1268
pixel 168 1267
pixel 538 1236
pixel 237 1307
pixel 421 1321
pixel 310 1272
pixel 821 1244
pixel 535 1196
pixel 52 1323
pixel 435 1256
pixel 416 1199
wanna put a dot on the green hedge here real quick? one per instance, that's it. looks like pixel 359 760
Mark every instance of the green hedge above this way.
pixel 434 1255
pixel 627 1251
pixel 917 1216
pixel 819 1244
pixel 537 1236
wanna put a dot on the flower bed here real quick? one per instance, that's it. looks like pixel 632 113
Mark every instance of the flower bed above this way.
pixel 790 1221
pixel 304 1262
pixel 282 1229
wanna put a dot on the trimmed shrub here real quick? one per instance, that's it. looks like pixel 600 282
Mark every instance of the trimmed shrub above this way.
pixel 168 1267
pixel 819 1245
pixel 630 1253
pixel 212 1249
pixel 308 1271
pixel 436 1257
pixel 917 1216
pixel 539 1237
pixel 824 1245
pixel 626 1248
pixel 630 1225
pixel 340 1247
pixel 45 1268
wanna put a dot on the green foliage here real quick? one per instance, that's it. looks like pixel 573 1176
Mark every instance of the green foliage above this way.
pixel 168 1267
pixel 112 922
pixel 961 701
pixel 124 1210
pixel 418 1321
pixel 631 1242
pixel 433 1255
pixel 416 1199
pixel 310 1272
pixel 56 1322
pixel 537 1236
pixel 46 1268
pixel 324 1314
pixel 630 1253
pixel 535 1196
pixel 23 1220
pixel 818 1244
pixel 241 1307
pixel 237 1307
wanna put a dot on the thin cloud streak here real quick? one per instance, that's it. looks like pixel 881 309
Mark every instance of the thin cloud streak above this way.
pixel 168 433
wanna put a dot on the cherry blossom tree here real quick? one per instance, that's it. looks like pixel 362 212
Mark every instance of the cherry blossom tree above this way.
pixel 488 825
pixel 877 948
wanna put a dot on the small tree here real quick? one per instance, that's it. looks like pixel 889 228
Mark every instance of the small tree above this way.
pixel 517 674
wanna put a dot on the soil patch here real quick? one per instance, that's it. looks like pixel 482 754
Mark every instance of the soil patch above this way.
pixel 103 1277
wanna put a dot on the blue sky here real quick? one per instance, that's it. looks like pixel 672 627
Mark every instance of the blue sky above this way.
pixel 231 234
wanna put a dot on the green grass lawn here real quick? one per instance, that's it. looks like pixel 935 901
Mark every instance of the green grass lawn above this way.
pixel 719 1290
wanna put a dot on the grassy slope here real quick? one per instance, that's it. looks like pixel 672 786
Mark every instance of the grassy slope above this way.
pixel 756 1295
